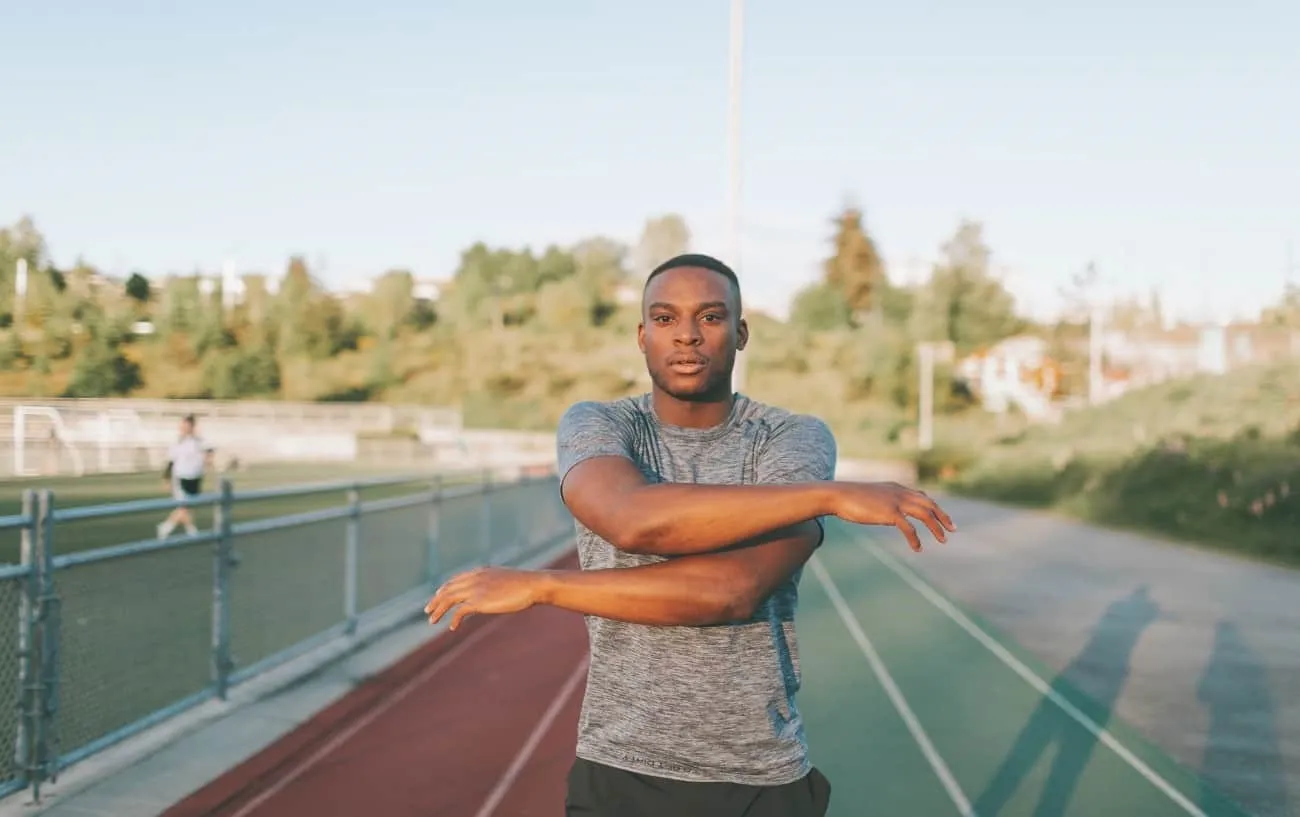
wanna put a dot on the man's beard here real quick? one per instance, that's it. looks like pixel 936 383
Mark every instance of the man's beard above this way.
pixel 716 387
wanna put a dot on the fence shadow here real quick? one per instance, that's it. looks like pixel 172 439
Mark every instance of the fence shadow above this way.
pixel 1105 662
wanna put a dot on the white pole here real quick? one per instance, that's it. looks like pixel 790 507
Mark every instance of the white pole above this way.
pixel 733 154
pixel 20 293
pixel 925 428
pixel 1094 355
pixel 227 285
pixel 20 442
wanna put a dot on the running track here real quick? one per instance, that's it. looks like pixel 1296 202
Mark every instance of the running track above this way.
pixel 913 707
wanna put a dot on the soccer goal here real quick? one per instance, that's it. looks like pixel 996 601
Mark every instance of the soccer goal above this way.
pixel 40 442
pixel 76 441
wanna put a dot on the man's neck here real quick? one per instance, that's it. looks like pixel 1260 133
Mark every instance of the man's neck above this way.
pixel 687 414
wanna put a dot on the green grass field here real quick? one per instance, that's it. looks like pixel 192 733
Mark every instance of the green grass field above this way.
pixel 131 527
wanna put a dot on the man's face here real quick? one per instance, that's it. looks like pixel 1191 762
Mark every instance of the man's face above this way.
pixel 187 427
pixel 690 332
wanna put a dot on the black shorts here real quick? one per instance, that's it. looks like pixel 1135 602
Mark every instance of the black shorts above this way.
pixel 596 790
pixel 191 487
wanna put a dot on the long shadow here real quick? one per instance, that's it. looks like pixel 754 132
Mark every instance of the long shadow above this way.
pixel 1101 669
pixel 1242 757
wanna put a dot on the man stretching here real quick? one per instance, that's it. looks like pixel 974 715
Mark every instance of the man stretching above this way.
pixel 696 509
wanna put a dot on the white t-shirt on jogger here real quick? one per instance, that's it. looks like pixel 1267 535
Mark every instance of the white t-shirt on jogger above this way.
pixel 188 457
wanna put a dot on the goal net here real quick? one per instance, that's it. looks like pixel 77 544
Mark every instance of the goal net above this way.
pixel 47 441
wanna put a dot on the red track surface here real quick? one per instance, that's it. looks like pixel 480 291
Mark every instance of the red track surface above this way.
pixel 475 723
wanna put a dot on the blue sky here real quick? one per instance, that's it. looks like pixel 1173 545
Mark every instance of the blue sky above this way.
pixel 1163 142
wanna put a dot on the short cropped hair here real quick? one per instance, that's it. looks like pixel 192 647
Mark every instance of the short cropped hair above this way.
pixel 702 261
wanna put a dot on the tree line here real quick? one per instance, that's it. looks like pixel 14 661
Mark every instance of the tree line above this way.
pixel 513 336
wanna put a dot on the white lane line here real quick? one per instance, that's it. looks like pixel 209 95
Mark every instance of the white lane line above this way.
pixel 1033 679
pixel 539 731
pixel 400 694
pixel 937 763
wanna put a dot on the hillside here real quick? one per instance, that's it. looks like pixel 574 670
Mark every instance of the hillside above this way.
pixel 1213 460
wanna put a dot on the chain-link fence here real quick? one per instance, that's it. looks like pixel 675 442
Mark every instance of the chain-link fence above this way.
pixel 112 640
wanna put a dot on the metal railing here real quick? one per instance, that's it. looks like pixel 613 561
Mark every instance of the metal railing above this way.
pixel 112 640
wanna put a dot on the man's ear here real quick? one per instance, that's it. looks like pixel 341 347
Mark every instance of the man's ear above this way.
pixel 640 336
pixel 742 335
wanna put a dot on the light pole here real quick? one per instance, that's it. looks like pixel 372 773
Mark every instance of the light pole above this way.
pixel 929 352
pixel 733 155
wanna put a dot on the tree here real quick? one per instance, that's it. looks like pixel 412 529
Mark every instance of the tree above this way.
pixel 1285 312
pixel 20 241
pixel 855 269
pixel 391 302
pixel 820 307
pixel 963 302
pixel 600 271
pixel 101 368
pixel 137 288
pixel 662 237
pixel 309 321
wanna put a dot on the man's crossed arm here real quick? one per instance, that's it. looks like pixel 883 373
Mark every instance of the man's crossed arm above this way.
pixel 736 544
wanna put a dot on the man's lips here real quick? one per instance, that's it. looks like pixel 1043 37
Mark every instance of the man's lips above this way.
pixel 688 365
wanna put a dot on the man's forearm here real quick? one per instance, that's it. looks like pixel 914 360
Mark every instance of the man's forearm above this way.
pixel 679 519
pixel 695 591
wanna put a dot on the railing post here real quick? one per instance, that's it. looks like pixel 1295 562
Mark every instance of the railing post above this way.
pixel 46 747
pixel 223 562
pixel 28 658
pixel 485 523
pixel 351 545
pixel 432 559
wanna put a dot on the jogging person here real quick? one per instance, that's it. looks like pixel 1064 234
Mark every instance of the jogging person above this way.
pixel 187 459
pixel 696 509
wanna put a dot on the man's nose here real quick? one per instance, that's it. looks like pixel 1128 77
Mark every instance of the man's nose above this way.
pixel 688 334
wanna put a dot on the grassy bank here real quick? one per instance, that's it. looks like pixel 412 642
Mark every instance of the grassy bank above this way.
pixel 1214 460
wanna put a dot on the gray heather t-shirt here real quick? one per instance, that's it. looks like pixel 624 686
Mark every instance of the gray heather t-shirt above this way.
pixel 712 703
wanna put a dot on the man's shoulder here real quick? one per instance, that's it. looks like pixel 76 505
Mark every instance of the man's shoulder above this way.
pixel 781 419
pixel 599 417
pixel 621 408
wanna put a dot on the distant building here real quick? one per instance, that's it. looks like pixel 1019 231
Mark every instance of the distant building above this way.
pixel 1016 372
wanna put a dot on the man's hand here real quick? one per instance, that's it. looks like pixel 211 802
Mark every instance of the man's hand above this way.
pixel 489 590
pixel 888 503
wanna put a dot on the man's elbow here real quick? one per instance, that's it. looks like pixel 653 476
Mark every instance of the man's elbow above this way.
pixel 619 519
pixel 634 537
pixel 633 530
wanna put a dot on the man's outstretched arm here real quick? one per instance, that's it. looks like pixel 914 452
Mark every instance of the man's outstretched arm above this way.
pixel 709 588
pixel 605 490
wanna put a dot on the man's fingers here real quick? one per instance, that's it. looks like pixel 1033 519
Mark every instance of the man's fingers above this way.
pixel 909 532
pixel 462 612
pixel 926 514
pixel 943 516
pixel 442 603
pixel 939 512
pixel 436 600
pixel 437 610
pixel 454 587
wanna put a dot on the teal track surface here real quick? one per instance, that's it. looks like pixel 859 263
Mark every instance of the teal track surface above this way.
pixel 916 707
